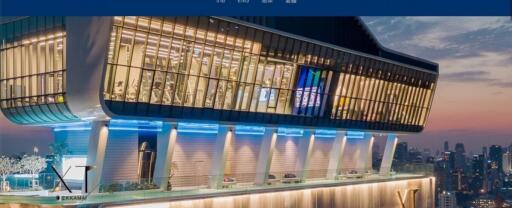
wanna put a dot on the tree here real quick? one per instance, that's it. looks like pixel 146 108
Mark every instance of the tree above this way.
pixel 32 165
pixel 58 150
pixel 8 166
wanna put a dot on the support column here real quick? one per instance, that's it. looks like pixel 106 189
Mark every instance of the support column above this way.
pixel 96 155
pixel 389 152
pixel 336 155
pixel 222 141
pixel 265 156
pixel 364 148
pixel 304 153
pixel 166 141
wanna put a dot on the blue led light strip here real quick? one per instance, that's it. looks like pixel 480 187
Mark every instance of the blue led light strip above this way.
pixel 198 128
pixel 290 132
pixel 249 130
pixel 355 134
pixel 325 133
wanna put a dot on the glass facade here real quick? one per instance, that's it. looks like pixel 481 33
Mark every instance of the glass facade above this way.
pixel 207 68
pixel 33 70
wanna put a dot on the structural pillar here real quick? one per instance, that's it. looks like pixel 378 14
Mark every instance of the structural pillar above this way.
pixel 304 153
pixel 336 155
pixel 389 152
pixel 222 141
pixel 166 141
pixel 364 156
pixel 265 156
pixel 96 155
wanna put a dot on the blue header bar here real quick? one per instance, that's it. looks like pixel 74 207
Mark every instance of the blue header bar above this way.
pixel 257 7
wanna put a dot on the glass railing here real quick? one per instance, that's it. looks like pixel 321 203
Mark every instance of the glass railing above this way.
pixel 48 185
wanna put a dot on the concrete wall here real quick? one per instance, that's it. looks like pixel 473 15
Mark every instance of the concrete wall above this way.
pixel 285 155
pixel 319 158
pixel 242 158
pixel 193 156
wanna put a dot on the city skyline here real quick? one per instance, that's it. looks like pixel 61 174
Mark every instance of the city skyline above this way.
pixel 474 55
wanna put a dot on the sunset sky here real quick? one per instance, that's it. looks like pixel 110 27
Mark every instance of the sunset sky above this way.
pixel 473 101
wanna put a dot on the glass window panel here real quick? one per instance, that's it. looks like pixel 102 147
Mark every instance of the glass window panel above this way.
pixel 145 86
pixel 247 94
pixel 206 60
pixel 41 54
pixel 130 22
pixel 268 74
pixel 226 64
pixel 163 53
pixel 118 20
pixel 17 61
pixel 212 31
pixel 158 85
pixel 220 40
pixel 181 86
pixel 210 94
pixel 119 84
pixel 179 28
pixel 139 48
pixel 191 90
pixel 156 25
pixel 230 95
pixel 216 62
pixel 170 86
pixel 125 47
pixel 235 66
pixel 143 24
pixel 282 100
pixel 195 59
pixel 190 31
pixel 167 27
pixel 132 85
pixel 220 94
pixel 151 51
pixel 201 91
pixel 202 30
pixel 278 75
pixel 186 58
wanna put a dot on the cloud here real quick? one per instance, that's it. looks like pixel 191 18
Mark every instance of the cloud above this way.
pixel 475 77
pixel 468 76
pixel 502 84
pixel 442 37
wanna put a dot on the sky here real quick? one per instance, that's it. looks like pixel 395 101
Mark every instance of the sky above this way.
pixel 473 100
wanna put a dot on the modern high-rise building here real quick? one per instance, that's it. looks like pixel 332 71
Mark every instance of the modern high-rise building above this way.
pixel 219 102
pixel 507 163
pixel 447 199
pixel 460 157
pixel 478 176
pixel 402 152
pixel 496 157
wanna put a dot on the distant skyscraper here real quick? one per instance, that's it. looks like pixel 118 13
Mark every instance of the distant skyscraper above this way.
pixel 496 157
pixel 477 181
pixel 446 146
pixel 447 200
pixel 401 152
pixel 460 158
pixel 507 163
pixel 484 151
